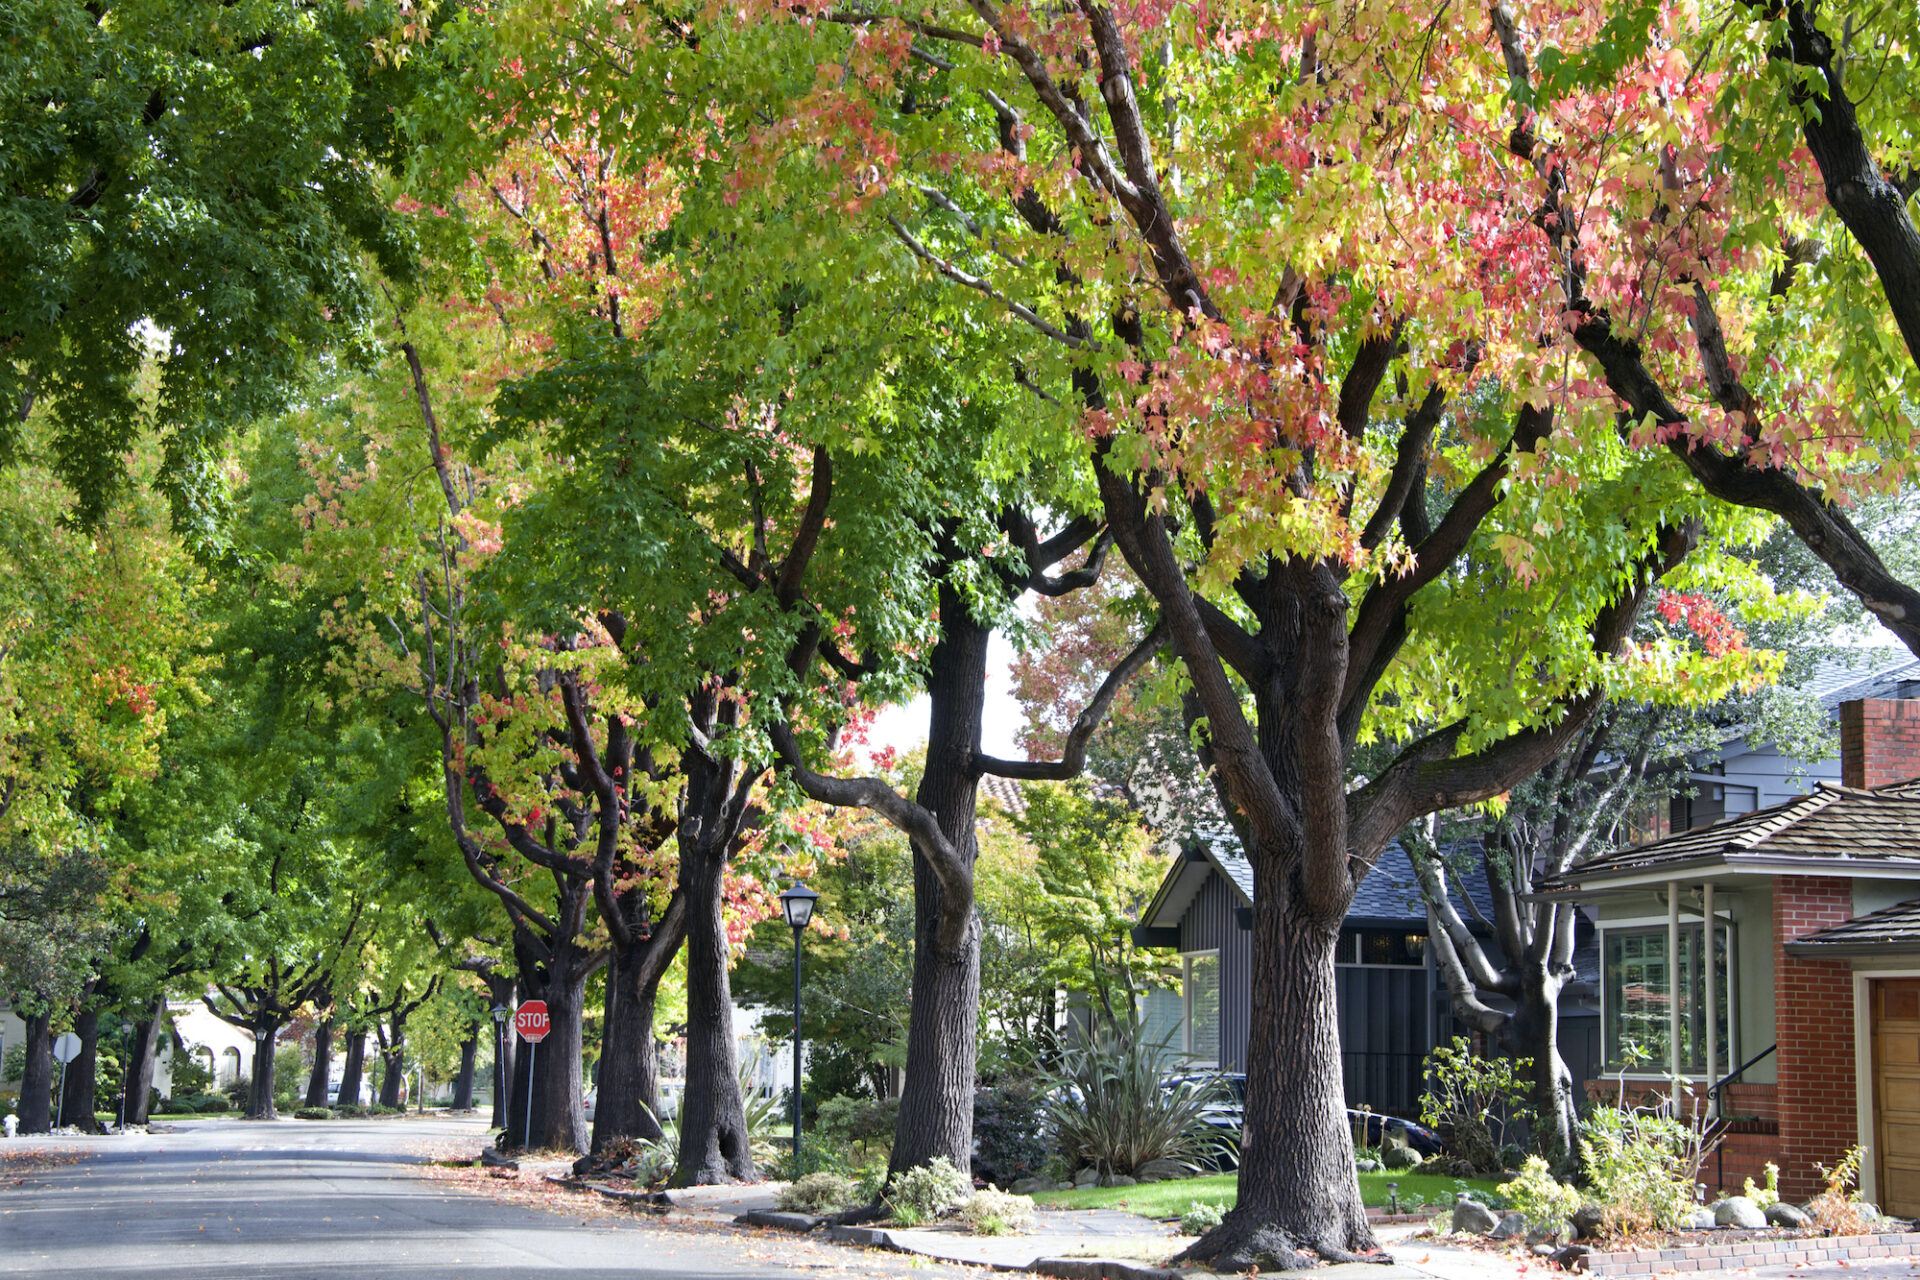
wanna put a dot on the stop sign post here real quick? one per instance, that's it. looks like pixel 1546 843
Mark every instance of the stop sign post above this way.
pixel 533 1024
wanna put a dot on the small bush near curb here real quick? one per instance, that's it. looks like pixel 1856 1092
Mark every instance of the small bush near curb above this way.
pixel 1201 1218
pixel 1545 1201
pixel 351 1110
pixel 313 1113
pixel 996 1213
pixel 818 1194
pixel 924 1193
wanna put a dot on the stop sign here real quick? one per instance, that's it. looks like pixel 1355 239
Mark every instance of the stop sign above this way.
pixel 532 1022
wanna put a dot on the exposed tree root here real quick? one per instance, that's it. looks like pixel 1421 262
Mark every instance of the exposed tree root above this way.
pixel 1237 1246
pixel 858 1216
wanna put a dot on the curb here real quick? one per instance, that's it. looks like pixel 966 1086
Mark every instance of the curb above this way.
pixel 778 1220
pixel 1103 1269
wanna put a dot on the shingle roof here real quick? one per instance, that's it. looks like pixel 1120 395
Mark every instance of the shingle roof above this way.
pixel 1891 929
pixel 1004 792
pixel 1831 823
pixel 1390 891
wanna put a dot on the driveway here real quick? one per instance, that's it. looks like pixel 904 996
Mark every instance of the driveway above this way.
pixel 336 1199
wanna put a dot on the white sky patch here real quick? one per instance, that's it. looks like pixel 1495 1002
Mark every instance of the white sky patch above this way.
pixel 904 727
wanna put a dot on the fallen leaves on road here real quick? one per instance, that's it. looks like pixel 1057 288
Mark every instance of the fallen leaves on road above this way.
pixel 19 1164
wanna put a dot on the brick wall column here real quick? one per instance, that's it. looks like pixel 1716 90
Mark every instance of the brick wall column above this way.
pixel 1813 1025
pixel 1879 741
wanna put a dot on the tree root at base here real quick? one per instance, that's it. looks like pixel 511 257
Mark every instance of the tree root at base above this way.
pixel 1234 1246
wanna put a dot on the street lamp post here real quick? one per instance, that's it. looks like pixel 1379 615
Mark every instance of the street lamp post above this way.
pixel 501 1085
pixel 797 902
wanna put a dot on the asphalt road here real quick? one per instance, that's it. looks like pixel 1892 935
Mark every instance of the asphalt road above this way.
pixel 298 1200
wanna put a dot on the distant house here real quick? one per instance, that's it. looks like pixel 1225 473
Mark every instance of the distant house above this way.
pixel 1394 1007
pixel 1803 1032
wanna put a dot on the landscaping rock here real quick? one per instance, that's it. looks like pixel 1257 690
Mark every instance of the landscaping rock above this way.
pixel 491 1159
pixel 1400 1158
pixel 1087 1178
pixel 1550 1237
pixel 1119 1180
pixel 1571 1257
pixel 1472 1217
pixel 1161 1170
pixel 1514 1224
pixel 1702 1220
pixel 1588 1220
pixel 1543 1250
pixel 1738 1211
pixel 1392 1138
pixel 1367 1166
pixel 1786 1215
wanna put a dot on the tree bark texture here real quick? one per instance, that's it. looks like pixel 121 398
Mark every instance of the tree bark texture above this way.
pixel 936 1101
pixel 36 1082
pixel 322 1074
pixel 77 1100
pixel 353 1068
pixel 715 1146
pixel 556 1120
pixel 1534 1034
pixel 260 1104
pixel 393 1070
pixel 628 1100
pixel 463 1083
pixel 144 1051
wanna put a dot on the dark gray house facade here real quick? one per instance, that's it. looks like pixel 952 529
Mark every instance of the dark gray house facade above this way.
pixel 1393 1004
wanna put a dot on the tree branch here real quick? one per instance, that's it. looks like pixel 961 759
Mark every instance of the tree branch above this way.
pixel 1073 756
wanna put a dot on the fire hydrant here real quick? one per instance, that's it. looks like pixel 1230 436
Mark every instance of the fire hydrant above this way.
pixel 13 1125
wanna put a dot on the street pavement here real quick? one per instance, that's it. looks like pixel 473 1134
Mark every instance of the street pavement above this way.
pixel 299 1200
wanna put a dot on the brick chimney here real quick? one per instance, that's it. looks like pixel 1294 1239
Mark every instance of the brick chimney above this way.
pixel 1879 741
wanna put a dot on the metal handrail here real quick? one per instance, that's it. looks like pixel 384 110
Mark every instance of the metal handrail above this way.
pixel 1713 1093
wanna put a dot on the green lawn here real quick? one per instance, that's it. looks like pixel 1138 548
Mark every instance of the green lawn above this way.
pixel 1170 1199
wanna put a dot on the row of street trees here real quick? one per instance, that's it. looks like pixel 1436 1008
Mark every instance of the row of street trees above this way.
pixel 624 402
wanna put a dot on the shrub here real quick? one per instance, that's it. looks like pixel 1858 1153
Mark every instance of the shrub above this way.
pixel 189 1076
pixel 1471 1101
pixel 351 1110
pixel 1638 1169
pixel 1837 1207
pixel 1010 1133
pixel 859 1130
pixel 926 1192
pixel 313 1113
pixel 1108 1108
pixel 1537 1194
pixel 237 1094
pixel 380 1110
pixel 1201 1217
pixel 996 1213
pixel 1769 1194
pixel 818 1154
pixel 819 1193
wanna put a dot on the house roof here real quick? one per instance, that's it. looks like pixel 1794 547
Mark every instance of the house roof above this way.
pixel 1006 793
pixel 1389 893
pixel 1890 931
pixel 1834 828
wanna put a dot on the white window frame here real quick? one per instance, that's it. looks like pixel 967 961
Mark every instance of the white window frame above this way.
pixel 1186 1001
pixel 1729 1056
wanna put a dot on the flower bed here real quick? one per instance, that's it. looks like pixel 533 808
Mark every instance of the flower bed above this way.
pixel 1724 1250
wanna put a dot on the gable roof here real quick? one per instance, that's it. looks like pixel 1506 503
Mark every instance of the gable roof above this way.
pixel 1889 931
pixel 1390 893
pixel 1833 829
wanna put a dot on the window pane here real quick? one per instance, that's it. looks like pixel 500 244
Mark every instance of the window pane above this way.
pixel 1640 983
pixel 1162 1014
pixel 1203 1008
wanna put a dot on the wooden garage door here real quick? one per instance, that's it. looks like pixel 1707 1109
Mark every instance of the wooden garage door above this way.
pixel 1896 1076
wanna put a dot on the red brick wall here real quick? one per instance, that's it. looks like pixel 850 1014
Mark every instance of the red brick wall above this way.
pixel 1879 741
pixel 1813 1025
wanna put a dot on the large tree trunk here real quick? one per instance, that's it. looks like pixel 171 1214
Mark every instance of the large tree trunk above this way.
pixel 393 1066
pixel 1534 1033
pixel 628 1104
pixel 463 1083
pixel 36 1106
pixel 936 1103
pixel 260 1100
pixel 77 1096
pixel 714 1143
pixel 322 1074
pixel 138 1077
pixel 556 1119
pixel 1298 1187
pixel 353 1068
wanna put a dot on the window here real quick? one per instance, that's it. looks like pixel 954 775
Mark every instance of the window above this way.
pixel 1640 982
pixel 1381 947
pixel 1163 1018
pixel 1203 1007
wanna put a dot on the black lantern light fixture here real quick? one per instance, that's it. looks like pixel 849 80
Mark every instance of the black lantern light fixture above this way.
pixel 502 1086
pixel 797 903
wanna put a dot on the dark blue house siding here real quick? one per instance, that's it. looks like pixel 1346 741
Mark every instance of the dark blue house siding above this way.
pixel 1210 924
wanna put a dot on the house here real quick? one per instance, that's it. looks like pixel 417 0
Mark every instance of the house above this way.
pixel 1394 1007
pixel 1812 1044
